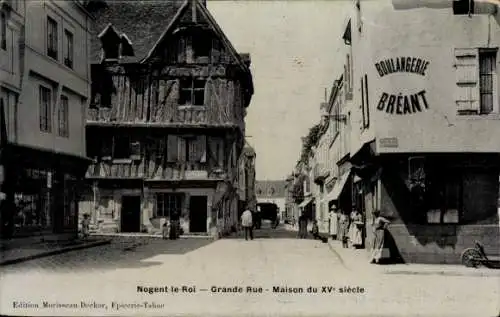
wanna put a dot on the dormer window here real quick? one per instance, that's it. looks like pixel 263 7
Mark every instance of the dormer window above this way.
pixel 114 45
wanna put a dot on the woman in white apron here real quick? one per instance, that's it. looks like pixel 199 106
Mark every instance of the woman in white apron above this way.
pixel 334 223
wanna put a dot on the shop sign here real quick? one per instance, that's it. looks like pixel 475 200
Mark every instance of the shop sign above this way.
pixel 397 102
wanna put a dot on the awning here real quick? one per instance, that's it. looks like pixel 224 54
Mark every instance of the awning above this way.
pixel 306 202
pixel 338 187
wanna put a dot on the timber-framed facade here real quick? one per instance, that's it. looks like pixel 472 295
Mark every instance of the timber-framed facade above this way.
pixel 166 124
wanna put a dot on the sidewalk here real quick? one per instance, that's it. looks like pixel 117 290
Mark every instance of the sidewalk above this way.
pixel 358 260
pixel 12 255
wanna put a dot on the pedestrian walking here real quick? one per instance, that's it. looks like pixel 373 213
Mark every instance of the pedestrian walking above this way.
pixel 85 226
pixel 303 226
pixel 334 223
pixel 357 229
pixel 247 224
pixel 344 229
pixel 380 224
pixel 164 231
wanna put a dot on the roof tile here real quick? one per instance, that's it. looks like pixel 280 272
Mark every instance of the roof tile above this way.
pixel 142 21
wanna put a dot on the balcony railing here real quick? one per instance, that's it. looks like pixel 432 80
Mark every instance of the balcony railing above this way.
pixel 130 169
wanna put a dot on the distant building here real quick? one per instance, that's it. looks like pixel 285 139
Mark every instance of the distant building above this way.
pixel 45 89
pixel 421 114
pixel 246 179
pixel 166 124
pixel 272 191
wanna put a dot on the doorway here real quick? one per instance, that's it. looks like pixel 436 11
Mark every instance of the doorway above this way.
pixel 198 214
pixel 131 214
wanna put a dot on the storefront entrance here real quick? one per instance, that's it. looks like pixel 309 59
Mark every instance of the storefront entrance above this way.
pixel 131 214
pixel 198 214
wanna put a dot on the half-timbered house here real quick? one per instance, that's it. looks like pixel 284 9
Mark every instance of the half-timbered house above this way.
pixel 166 124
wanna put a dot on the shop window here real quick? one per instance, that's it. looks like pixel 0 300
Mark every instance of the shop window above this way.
pixel 70 202
pixel 32 202
pixel 444 198
pixel 192 92
pixel 52 41
pixel 168 204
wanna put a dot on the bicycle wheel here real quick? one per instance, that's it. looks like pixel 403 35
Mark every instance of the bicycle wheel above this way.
pixel 471 257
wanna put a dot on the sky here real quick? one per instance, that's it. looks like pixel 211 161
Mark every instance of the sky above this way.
pixel 293 46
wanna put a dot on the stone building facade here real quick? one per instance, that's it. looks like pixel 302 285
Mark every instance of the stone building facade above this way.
pixel 45 87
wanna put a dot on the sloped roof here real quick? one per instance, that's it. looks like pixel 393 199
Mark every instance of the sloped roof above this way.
pixel 270 188
pixel 142 21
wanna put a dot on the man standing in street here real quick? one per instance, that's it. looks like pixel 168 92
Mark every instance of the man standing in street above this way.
pixel 246 223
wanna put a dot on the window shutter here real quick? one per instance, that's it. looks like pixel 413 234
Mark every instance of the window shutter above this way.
pixel 172 148
pixel 193 150
pixel 215 51
pixel 208 93
pixel 182 149
pixel 348 74
pixel 467 88
pixel 181 50
pixel 202 146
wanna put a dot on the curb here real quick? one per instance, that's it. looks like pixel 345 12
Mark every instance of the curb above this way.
pixel 157 236
pixel 471 273
pixel 54 252
pixel 396 269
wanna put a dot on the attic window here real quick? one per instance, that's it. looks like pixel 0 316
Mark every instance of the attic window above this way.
pixel 110 43
pixel 202 45
pixel 115 45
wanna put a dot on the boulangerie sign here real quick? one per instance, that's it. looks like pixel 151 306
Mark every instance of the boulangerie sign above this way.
pixel 398 103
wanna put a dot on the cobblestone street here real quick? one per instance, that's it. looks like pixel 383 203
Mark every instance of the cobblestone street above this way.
pixel 112 273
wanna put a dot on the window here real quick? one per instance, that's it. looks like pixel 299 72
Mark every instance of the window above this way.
pixel 476 90
pixel 444 197
pixel 63 117
pixel 167 204
pixel 202 45
pixel 192 92
pixel 45 109
pixel 121 147
pixel 364 102
pixel 68 48
pixel 3 30
pixel 487 80
pixel 51 38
